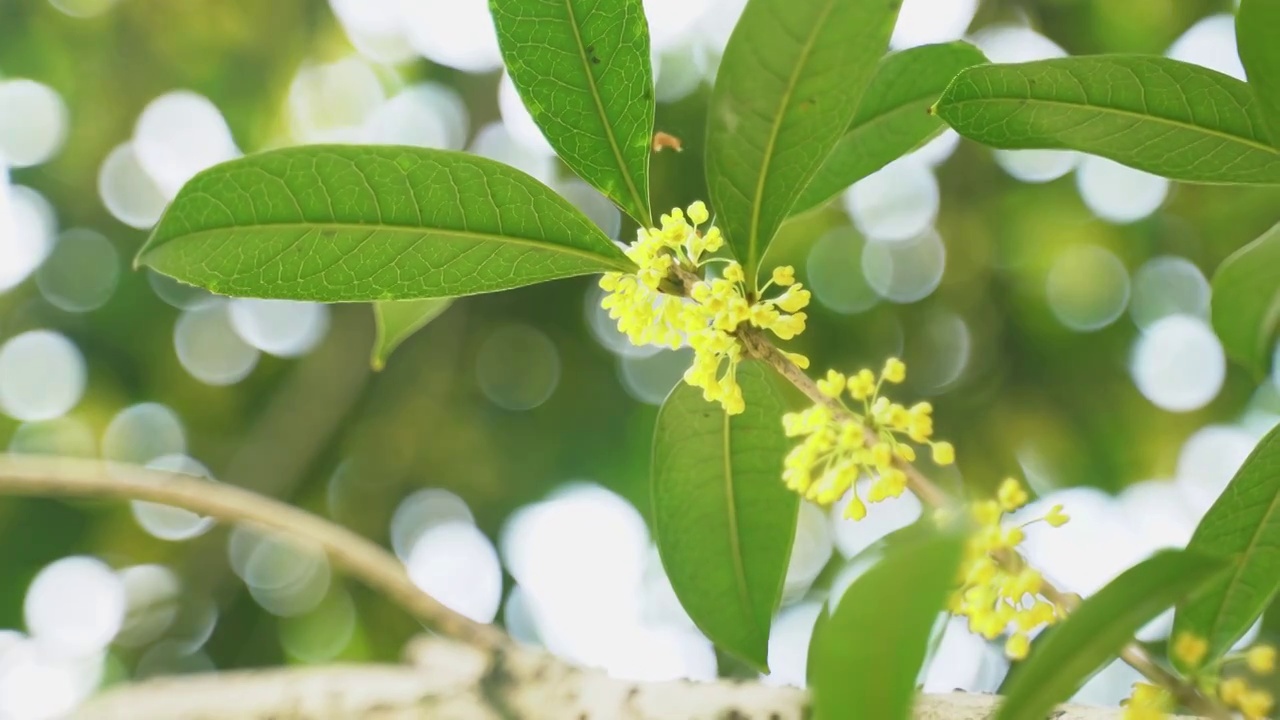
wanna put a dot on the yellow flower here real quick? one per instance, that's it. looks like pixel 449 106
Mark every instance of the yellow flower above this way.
pixel 943 453
pixel 1011 495
pixel 1017 646
pixel 1148 702
pixel 895 371
pixel 1190 649
pixel 1232 690
pixel 1256 704
pixel 832 385
pixel 1261 659
pixel 698 213
pixel 1056 517
pixel 784 275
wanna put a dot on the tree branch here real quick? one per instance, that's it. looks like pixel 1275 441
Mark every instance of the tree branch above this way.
pixel 33 475
pixel 453 681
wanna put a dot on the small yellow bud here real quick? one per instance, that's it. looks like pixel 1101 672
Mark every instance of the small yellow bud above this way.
pixel 733 273
pixel 895 371
pixel 1056 517
pixel 784 275
pixel 801 361
pixel 1261 659
pixel 832 385
pixel 1190 649
pixel 862 385
pixel 1011 495
pixel 943 453
pixel 1256 704
pixel 1017 646
pixel 698 213
pixel 855 509
pixel 1232 689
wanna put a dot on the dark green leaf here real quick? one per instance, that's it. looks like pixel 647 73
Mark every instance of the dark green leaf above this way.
pixel 1257 22
pixel 893 117
pixel 1170 118
pixel 1092 635
pixel 868 653
pixel 723 519
pixel 396 320
pixel 1246 301
pixel 1244 524
pixel 584 72
pixel 352 223
pixel 789 84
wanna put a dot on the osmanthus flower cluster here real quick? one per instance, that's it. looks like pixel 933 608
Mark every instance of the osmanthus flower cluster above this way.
pixel 1152 703
pixel 841 445
pixel 998 591
pixel 716 307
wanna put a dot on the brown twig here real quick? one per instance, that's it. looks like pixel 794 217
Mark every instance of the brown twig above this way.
pixel 33 475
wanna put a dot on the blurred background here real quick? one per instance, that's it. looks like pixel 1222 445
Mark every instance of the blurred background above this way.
pixel 1053 307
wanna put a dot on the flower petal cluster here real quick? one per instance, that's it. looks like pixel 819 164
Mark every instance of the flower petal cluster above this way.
pixel 998 592
pixel 717 307
pixel 1148 702
pixel 841 445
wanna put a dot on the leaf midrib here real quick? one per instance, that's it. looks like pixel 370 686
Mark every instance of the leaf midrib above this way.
pixel 1180 124
pixel 1238 570
pixel 641 206
pixel 365 227
pixel 753 239
pixel 735 540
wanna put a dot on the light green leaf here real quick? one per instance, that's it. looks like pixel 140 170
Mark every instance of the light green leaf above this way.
pixel 1094 633
pixel 723 519
pixel 868 653
pixel 1170 118
pixel 789 84
pixel 584 72
pixel 893 116
pixel 1244 524
pixel 356 223
pixel 396 320
pixel 1257 22
pixel 1246 301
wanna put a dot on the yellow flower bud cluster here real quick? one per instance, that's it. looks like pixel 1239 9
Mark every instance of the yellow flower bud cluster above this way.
pixel 1253 703
pixel 1148 702
pixel 717 307
pixel 841 446
pixel 998 593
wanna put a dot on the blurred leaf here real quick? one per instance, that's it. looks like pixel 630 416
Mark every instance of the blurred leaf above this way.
pixel 361 223
pixel 1170 118
pixel 788 87
pixel 723 519
pixel 1064 657
pixel 1243 524
pixel 1257 22
pixel 1246 301
pixel 584 71
pixel 396 320
pixel 893 117
pixel 868 653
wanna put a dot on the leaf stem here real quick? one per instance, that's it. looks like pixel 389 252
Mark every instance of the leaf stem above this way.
pixel 363 559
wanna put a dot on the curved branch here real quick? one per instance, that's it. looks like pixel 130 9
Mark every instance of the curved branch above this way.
pixel 363 559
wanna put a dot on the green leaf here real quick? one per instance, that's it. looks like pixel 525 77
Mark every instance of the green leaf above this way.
pixel 584 72
pixel 893 117
pixel 789 84
pixel 396 320
pixel 1243 524
pixel 356 223
pixel 723 519
pixel 1246 301
pixel 867 655
pixel 1170 118
pixel 1256 24
pixel 1094 633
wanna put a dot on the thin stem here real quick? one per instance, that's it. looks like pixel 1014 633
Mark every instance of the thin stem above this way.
pixel 34 475
pixel 759 346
